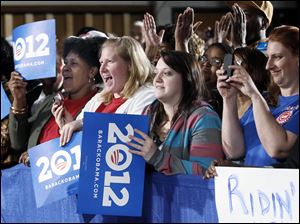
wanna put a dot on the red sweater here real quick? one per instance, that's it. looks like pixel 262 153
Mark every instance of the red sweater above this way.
pixel 51 129
pixel 112 106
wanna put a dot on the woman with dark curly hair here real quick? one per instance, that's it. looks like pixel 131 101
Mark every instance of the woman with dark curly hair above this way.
pixel 81 66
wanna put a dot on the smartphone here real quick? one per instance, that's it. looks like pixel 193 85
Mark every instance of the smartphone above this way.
pixel 228 60
pixel 58 98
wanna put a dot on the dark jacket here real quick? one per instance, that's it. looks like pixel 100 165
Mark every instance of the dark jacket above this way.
pixel 24 132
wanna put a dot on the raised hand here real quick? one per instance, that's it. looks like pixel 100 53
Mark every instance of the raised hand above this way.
pixel 62 115
pixel 224 87
pixel 184 29
pixel 17 88
pixel 196 26
pixel 238 26
pixel 152 40
pixel 242 81
pixel 222 29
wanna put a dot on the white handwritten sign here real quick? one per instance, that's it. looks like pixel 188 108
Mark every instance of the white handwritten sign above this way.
pixel 257 194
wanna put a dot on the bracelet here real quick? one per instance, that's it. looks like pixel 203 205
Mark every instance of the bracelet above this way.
pixel 21 110
pixel 18 111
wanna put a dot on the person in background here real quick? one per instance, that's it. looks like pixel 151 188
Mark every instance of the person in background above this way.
pixel 81 65
pixel 127 75
pixel 265 134
pixel 179 36
pixel 186 38
pixel 33 87
pixel 249 22
pixel 137 32
pixel 196 46
pixel 154 38
pixel 210 62
pixel 206 34
pixel 84 30
pixel 254 62
pixel 93 34
pixel 9 156
pixel 185 133
pixel 7 66
pixel 7 60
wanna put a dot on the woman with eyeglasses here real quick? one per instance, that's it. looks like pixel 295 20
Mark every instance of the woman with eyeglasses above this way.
pixel 210 62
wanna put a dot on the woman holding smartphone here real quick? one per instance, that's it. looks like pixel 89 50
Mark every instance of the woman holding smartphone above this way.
pixel 265 134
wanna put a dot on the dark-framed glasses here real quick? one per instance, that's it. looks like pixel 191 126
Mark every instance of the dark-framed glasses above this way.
pixel 213 61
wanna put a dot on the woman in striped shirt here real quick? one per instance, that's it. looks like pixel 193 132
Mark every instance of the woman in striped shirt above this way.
pixel 185 132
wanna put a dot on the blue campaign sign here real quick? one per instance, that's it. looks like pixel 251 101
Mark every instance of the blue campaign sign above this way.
pixel 5 103
pixel 55 169
pixel 34 47
pixel 111 178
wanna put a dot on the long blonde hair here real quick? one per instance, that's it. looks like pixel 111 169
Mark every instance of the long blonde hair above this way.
pixel 140 70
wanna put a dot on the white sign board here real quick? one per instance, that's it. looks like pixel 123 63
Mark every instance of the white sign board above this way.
pixel 257 195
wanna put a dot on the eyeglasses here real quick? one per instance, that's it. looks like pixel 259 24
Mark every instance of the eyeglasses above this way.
pixel 213 61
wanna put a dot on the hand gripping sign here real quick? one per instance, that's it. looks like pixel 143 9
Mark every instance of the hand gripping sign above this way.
pixel 111 178
pixel 34 47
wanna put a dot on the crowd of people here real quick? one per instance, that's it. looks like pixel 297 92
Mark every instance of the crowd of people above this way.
pixel 201 117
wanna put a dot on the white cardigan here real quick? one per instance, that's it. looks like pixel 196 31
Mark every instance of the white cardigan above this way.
pixel 134 105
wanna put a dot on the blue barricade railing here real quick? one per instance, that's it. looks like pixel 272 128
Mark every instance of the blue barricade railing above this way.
pixel 179 198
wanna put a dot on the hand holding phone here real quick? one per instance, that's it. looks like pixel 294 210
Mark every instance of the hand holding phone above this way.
pixel 228 60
